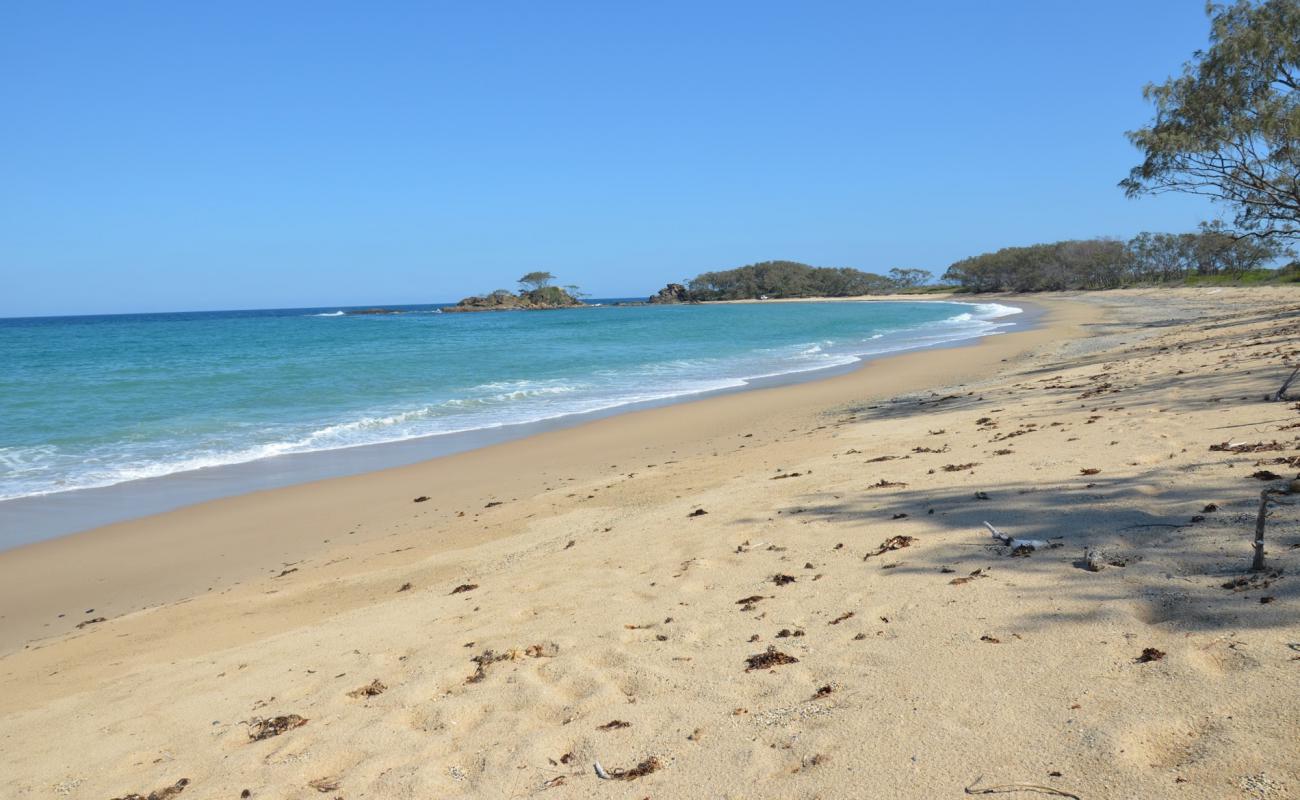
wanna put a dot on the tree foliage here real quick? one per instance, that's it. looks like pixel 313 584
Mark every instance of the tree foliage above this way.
pixel 786 279
pixel 536 280
pixel 1109 263
pixel 1229 126
pixel 910 278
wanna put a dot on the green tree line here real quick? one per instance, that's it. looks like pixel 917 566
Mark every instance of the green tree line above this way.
pixel 1148 258
pixel 778 279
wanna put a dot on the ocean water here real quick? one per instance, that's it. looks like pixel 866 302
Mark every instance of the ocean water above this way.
pixel 98 401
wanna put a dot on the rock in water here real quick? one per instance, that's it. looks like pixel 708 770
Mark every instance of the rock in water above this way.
pixel 672 293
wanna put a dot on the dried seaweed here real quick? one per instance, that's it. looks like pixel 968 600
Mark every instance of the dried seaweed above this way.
pixel 892 543
pixel 406 587
pixel 1265 475
pixel 159 794
pixel 259 728
pixel 482 661
pixel 1242 447
pixel 979 573
pixel 699 512
pixel 424 498
pixel 959 467
pixel 613 725
pixel 782 580
pixel 371 689
pixel 841 618
pixel 464 587
pixel 323 785
pixel 1150 654
pixel 94 621
pixel 1089 471
pixel 646 767
pixel 884 484
pixel 769 658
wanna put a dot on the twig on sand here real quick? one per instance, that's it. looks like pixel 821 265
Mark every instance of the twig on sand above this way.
pixel 646 767
pixel 1257 564
pixel 1006 788
pixel 1281 393
pixel 1016 544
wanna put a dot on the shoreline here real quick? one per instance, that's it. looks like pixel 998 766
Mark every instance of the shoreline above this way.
pixel 771 588
pixel 35 518
pixel 223 543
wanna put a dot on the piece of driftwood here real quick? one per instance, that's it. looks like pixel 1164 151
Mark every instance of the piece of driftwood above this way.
pixel 1257 564
pixel 1286 384
pixel 1014 543
pixel 1008 788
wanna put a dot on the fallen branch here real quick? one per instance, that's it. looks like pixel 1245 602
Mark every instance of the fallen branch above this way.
pixel 1286 384
pixel 1018 787
pixel 1013 543
pixel 1257 565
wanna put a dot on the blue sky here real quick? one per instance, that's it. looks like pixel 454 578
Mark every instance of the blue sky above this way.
pixel 178 156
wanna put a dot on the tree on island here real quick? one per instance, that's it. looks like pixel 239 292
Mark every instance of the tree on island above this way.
pixel 1228 128
pixel 536 280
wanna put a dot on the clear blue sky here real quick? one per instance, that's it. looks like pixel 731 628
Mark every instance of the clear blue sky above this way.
pixel 176 155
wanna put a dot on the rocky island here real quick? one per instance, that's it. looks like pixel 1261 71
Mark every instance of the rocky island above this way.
pixel 536 294
pixel 672 293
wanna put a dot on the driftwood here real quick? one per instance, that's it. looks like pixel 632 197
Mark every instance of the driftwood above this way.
pixel 1286 384
pixel 1015 544
pixel 1257 565
pixel 1018 787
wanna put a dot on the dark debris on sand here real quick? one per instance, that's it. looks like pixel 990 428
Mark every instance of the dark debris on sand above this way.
pixel 613 725
pixel 464 587
pixel 1150 654
pixel 769 658
pixel 892 543
pixel 158 794
pixel 482 660
pixel 259 728
pixel 646 767
pixel 369 690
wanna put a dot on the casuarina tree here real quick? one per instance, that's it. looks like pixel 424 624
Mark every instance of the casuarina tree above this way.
pixel 1228 127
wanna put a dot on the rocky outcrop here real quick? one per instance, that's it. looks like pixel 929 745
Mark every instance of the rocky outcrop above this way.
pixel 547 297
pixel 672 293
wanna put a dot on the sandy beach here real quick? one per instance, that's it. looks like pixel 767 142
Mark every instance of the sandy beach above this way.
pixel 784 592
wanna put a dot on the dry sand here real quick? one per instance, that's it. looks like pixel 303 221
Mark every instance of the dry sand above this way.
pixel 610 621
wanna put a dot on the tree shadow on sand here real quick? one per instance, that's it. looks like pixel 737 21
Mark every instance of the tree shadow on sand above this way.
pixel 1167 568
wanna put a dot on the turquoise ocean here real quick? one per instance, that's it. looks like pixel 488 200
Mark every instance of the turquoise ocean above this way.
pixel 97 401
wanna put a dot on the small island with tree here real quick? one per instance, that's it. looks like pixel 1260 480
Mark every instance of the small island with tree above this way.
pixel 535 294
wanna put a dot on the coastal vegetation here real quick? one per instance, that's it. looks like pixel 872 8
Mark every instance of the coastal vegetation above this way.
pixel 1228 127
pixel 1211 254
pixel 780 279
